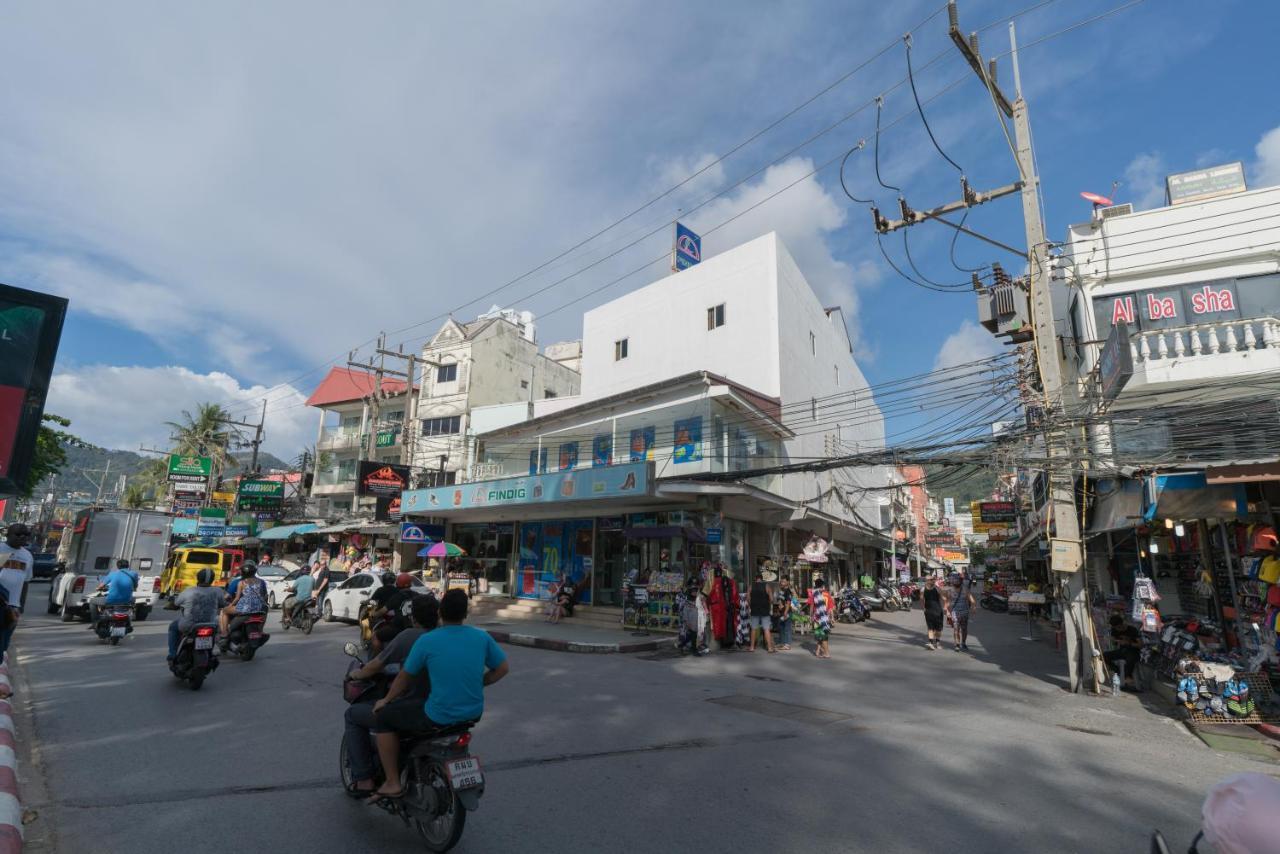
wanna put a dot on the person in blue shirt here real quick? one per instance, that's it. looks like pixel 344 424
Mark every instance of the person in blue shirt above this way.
pixel 459 661
pixel 120 584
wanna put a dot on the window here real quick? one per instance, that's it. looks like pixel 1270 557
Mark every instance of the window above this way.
pixel 548 394
pixel 447 373
pixel 620 350
pixel 524 383
pixel 837 375
pixel 813 408
pixel 442 426
pixel 813 344
pixel 715 316
pixel 394 417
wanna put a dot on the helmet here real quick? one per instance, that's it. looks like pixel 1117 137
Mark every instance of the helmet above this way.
pixel 248 569
pixel 404 580
pixel 204 578
pixel 388 578
pixel 122 564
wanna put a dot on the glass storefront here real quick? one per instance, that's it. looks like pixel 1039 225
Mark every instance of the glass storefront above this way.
pixel 549 550
pixel 488 547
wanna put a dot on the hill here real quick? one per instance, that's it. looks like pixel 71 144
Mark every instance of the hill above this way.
pixel 87 467
pixel 971 484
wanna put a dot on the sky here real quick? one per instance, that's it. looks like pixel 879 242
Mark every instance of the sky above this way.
pixel 235 195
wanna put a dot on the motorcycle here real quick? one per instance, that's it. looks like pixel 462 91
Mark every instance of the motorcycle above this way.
pixel 113 622
pixel 246 636
pixel 889 598
pixel 442 781
pixel 305 621
pixel 196 657
pixel 850 608
pixel 908 591
pixel 995 602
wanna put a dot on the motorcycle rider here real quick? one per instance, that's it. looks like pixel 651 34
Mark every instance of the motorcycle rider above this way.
pixel 299 596
pixel 119 586
pixel 460 661
pixel 359 717
pixel 250 598
pixel 377 605
pixel 199 605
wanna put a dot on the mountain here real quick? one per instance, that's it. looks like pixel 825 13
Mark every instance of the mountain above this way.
pixel 969 484
pixel 87 467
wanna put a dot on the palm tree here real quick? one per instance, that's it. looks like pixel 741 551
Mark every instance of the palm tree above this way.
pixel 205 434
pixel 134 497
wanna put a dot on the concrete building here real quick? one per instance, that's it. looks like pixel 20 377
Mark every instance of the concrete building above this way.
pixel 730 365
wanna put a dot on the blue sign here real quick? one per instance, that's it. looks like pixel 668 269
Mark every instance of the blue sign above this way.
pixel 235 531
pixel 688 248
pixel 211 530
pixel 715 536
pixel 621 481
pixel 185 527
pixel 411 532
pixel 688 440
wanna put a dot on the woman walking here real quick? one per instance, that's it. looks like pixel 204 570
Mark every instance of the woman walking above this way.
pixel 820 608
pixel 782 611
pixel 933 612
pixel 959 606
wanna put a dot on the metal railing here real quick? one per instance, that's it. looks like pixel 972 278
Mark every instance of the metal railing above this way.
pixel 1205 339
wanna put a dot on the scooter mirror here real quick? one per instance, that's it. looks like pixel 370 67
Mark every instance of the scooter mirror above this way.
pixel 351 649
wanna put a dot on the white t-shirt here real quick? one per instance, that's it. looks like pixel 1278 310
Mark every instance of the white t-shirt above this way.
pixel 15 571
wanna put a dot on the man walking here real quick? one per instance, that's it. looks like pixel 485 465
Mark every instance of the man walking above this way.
pixel 761 604
pixel 15 574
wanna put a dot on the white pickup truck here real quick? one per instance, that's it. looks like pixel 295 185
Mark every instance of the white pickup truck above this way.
pixel 98 538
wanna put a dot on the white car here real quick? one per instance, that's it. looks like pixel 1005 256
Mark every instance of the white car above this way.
pixel 346 599
pixel 277 578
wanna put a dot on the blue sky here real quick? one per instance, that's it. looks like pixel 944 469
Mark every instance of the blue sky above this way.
pixel 234 195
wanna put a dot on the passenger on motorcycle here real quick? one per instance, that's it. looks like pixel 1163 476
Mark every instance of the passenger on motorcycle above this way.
pixel 360 720
pixel 460 661
pixel 199 605
pixel 377 605
pixel 250 598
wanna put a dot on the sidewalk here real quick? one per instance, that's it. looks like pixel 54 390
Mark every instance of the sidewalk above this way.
pixel 567 636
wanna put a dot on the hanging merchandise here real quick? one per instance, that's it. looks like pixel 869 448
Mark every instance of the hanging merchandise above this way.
pixel 1269 570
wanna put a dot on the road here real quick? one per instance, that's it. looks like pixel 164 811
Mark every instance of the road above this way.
pixel 887 747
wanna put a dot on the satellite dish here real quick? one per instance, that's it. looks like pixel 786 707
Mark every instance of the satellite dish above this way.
pixel 1097 200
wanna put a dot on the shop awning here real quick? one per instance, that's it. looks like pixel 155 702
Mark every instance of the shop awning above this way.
pixel 1189 496
pixel 284 532
pixel 379 530
pixel 340 528
pixel 1119 506
pixel 1244 473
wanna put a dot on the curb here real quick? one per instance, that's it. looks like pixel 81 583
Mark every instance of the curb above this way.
pixel 10 805
pixel 573 646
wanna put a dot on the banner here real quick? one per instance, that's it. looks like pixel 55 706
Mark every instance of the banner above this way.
pixel 30 328
pixel 568 456
pixel 688 440
pixel 377 478
pixel 602 450
pixel 642 444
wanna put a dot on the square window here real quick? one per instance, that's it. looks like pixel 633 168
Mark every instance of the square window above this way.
pixel 715 316
pixel 620 350
pixel 447 373
pixel 524 383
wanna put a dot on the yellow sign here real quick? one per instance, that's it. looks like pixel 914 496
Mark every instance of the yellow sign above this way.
pixel 224 497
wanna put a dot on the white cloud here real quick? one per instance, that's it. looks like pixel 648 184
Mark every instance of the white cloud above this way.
pixel 1266 172
pixel 1144 181
pixel 970 343
pixel 122 407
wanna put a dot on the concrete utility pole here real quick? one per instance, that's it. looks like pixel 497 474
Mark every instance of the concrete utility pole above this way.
pixel 258 432
pixel 1060 394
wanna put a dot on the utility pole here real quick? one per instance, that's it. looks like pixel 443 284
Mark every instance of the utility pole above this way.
pixel 1060 395
pixel 102 482
pixel 258 431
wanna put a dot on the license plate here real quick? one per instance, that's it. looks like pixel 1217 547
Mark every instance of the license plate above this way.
pixel 465 773
pixel 255 635
pixel 204 643
pixel 117 631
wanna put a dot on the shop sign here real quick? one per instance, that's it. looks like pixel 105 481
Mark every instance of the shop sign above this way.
pixel 224 497
pixel 949 508
pixel 1115 365
pixel 412 532
pixel 386 438
pixel 688 248
pixel 236 531
pixel 996 511
pixel 185 527
pixel 715 536
pixel 611 523
pixel 184 469
pixel 620 481
pixel 1202 184
pixel 261 494
pixel 688 440
pixel 30 328
pixel 212 514
pixel 377 478
pixel 387 508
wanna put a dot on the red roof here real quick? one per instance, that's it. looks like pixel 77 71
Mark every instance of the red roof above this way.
pixel 344 385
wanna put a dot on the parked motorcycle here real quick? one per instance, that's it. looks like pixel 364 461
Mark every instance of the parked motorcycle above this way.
pixel 889 598
pixel 113 622
pixel 305 621
pixel 872 599
pixel 442 781
pixel 849 607
pixel 995 602
pixel 196 657
pixel 246 636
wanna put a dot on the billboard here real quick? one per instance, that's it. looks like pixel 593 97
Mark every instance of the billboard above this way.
pixel 688 248
pixel 381 479
pixel 1204 184
pixel 261 494
pixel 192 472
pixel 30 328
pixel 627 480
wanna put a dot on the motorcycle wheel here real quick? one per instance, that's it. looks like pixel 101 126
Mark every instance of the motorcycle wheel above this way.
pixel 344 765
pixel 115 641
pixel 246 654
pixel 307 625
pixel 442 832
pixel 889 605
pixel 284 623
pixel 986 604
pixel 271 600
pixel 195 680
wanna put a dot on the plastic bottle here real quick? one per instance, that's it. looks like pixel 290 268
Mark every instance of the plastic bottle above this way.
pixel 1115 684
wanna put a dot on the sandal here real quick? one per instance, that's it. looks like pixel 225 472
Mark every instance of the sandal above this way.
pixel 359 794
pixel 377 797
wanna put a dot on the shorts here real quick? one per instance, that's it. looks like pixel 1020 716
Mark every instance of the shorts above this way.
pixel 408 714
pixel 765 622
pixel 820 634
pixel 933 620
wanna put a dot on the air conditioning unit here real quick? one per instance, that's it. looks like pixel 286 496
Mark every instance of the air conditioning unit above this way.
pixel 1115 210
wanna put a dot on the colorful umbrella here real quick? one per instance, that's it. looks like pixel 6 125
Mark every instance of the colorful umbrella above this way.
pixel 442 549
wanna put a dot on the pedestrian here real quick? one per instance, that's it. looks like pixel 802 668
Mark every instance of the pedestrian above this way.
pixel 16 564
pixel 782 612
pixel 820 609
pixel 760 616
pixel 693 618
pixel 933 612
pixel 959 606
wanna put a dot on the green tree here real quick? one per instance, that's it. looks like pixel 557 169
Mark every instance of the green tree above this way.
pixel 135 496
pixel 205 434
pixel 50 455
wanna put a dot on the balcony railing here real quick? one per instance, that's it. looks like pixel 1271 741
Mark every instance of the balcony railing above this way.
pixel 333 477
pixel 331 440
pixel 1205 339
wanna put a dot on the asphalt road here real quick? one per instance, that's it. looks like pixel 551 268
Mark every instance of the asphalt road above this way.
pixel 888 747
